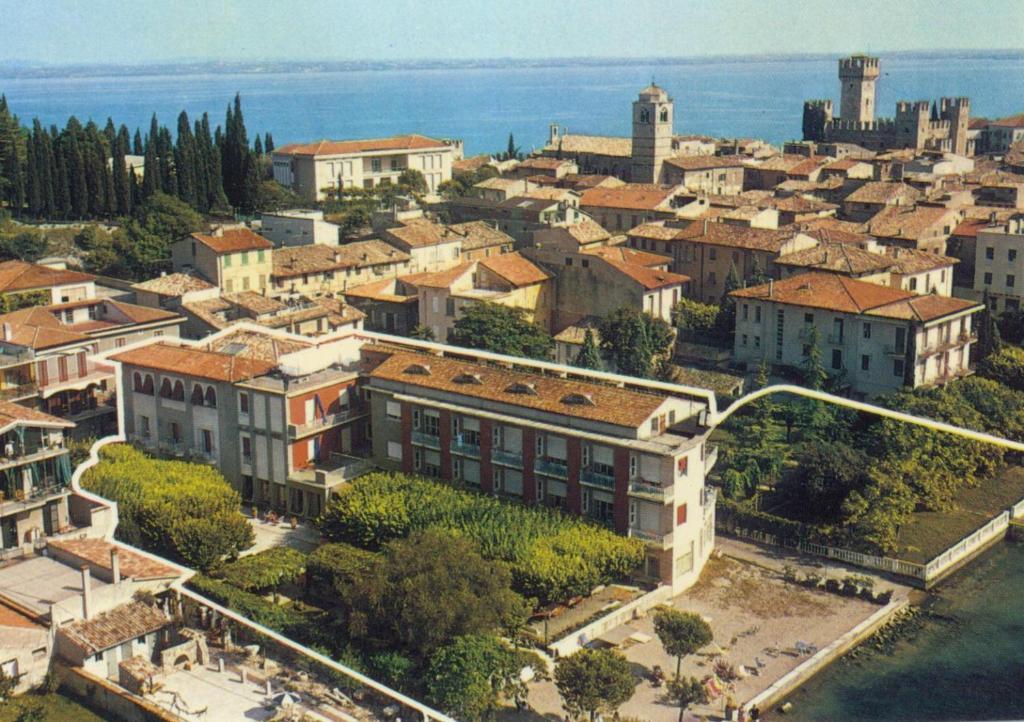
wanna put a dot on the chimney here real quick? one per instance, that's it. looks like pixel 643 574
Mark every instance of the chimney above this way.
pixel 771 286
pixel 705 226
pixel 86 592
pixel 5 332
pixel 991 219
pixel 115 565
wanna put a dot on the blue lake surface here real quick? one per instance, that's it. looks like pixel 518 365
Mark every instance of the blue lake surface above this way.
pixel 723 97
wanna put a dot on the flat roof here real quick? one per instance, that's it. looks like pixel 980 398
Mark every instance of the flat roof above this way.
pixel 39 582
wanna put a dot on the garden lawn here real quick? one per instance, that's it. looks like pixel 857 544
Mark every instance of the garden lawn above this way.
pixel 55 707
pixel 927 534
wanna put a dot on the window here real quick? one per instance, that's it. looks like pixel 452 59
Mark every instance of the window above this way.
pixel 713 254
pixel 712 280
pixel 260 256
pixel 757 314
pixel 632 513
pixel 757 342
pixel 901 340
pixel 375 165
pixel 897 367
pixel 1009 280
pixel 988 279
pixel 227 261
pixel 632 466
pixel 245 258
pixel 913 284
pixel 243 403
pixel 246 449
pixel 808 318
pixel 990 253
pixel 865 363
pixel 1011 254
pixel 449 306
pixel 743 340
pixel 745 312
pixel 681 515
pixel 144 426
pixel 837 358
pixel 393 410
pixel 431 423
pixel 867 330
pixel 394 451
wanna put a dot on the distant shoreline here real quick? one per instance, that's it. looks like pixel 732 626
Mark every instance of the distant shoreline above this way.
pixel 36 70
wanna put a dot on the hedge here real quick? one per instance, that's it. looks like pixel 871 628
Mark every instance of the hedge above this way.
pixel 252 606
pixel 335 563
pixel 731 515
pixel 266 570
pixel 552 556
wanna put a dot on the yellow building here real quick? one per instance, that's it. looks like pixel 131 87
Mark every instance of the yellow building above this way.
pixel 235 259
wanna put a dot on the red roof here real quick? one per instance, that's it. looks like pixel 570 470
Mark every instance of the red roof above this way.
pixel 22 276
pixel 343 147
pixel 233 240
pixel 1013 121
pixel 194 362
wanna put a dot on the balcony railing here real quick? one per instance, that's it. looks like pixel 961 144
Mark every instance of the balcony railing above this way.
pixel 172 447
pixel 144 440
pixel 22 457
pixel 431 441
pixel 596 478
pixel 551 467
pixel 649 490
pixel 507 458
pixel 18 391
pixel 465 448
pixel 326 421
pixel 662 541
pixel 710 458
pixel 946 345
pixel 34 496
pixel 896 350
pixel 337 469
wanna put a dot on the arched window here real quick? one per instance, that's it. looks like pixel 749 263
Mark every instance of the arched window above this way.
pixel 211 397
pixel 664 115
pixel 137 382
pixel 179 391
pixel 165 389
pixel 147 385
pixel 197 395
pixel 645 116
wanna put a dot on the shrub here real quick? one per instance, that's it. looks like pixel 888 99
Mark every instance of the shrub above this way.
pixel 551 556
pixel 266 570
pixel 336 563
pixel 188 512
pixel 256 608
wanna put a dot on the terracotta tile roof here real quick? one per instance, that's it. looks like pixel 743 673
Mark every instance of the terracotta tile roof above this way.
pixel 480 234
pixel 926 308
pixel 340 313
pixel 16 414
pixel 846 295
pixel 633 196
pixel 832 230
pixel 97 553
pixel 805 168
pixel 655 231
pixel 498 183
pixel 194 362
pixel 702 162
pixel 256 346
pixel 233 240
pixel 437 279
pixel 649 278
pixel 843 164
pixel 21 276
pixel 593 145
pixel 724 234
pixel 562 195
pixel 1012 121
pixel 384 290
pixel 799 204
pixel 587 231
pixel 11 617
pixel 111 628
pixel 625 254
pixel 884 192
pixel 515 268
pixel 468 165
pixel 543 180
pixel 912 260
pixel 576 333
pixel 837 258
pixel 421 233
pixel 581 181
pixel 41 327
pixel 173 284
pixel 316 258
pixel 345 147
pixel 780 163
pixel 909 222
pixel 613 405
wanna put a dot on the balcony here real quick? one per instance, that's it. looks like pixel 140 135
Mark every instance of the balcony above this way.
pixel 37 495
pixel 465 448
pixel 326 421
pixel 144 440
pixel 946 345
pixel 551 467
pixel 710 458
pixel 203 456
pixel 661 541
pixel 896 350
pixel 708 497
pixel 431 441
pixel 18 391
pixel 339 468
pixel 836 339
pixel 20 459
pixel 507 458
pixel 654 492
pixel 171 447
pixel 596 478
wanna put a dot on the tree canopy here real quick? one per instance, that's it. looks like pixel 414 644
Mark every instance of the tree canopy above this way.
pixel 501 329
pixel 635 341
pixel 594 681
pixel 681 633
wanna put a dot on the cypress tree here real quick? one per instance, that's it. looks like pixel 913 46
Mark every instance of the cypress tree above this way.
pixel 61 175
pixel 185 162
pixel 95 171
pixel 12 154
pixel 235 153
pixel 75 159
pixel 210 149
pixel 165 150
pixel 257 146
pixel 137 147
pixel 151 171
pixel 268 143
pixel 250 184
pixel 120 172
pixel 588 357
pixel 110 133
pixel 46 169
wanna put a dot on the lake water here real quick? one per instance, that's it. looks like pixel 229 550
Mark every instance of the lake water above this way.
pixel 723 97
pixel 968 666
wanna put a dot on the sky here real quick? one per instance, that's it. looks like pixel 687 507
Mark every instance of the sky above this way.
pixel 151 31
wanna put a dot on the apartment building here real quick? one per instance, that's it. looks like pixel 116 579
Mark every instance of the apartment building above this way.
pixel 999 265
pixel 706 252
pixel 313 170
pixel 43 284
pixel 435 246
pixel 629 458
pixel 519 216
pixel 628 206
pixel 47 356
pixel 705 173
pixel 233 259
pixel 881 339
pixel 35 473
pixel 298 228
pixel 875 196
pixel 925 228
pixel 275 414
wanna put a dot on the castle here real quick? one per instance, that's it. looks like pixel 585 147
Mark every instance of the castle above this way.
pixel 918 124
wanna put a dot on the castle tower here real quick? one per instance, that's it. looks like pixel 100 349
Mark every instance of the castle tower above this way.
pixel 817 116
pixel 857 76
pixel 958 112
pixel 652 134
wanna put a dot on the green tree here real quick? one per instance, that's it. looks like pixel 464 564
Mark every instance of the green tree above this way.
pixel 500 329
pixel 423 333
pixel 469 677
pixel 686 691
pixel 428 589
pixel 727 307
pixel 635 340
pixel 412 181
pixel 1005 366
pixel 588 356
pixel 826 474
pixel 594 681
pixel 681 633
pixel 511 150
pixel 989 340
pixel 695 318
